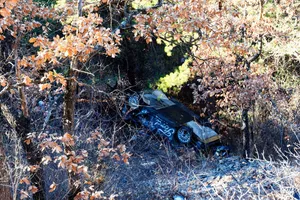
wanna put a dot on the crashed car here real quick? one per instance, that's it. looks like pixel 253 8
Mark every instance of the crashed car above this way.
pixel 168 118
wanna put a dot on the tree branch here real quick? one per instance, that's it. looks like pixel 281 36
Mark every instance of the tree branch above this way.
pixel 259 51
pixel 256 56
pixel 3 91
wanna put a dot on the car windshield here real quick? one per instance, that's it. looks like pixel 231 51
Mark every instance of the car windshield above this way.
pixel 176 114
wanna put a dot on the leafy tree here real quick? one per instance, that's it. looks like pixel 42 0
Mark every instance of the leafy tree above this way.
pixel 224 39
pixel 81 38
pixel 18 18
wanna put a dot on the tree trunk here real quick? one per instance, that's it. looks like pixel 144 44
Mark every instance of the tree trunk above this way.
pixel 69 114
pixel 68 123
pixel 69 103
pixel 261 9
pixel 80 5
pixel 22 127
pixel 24 106
pixel 246 134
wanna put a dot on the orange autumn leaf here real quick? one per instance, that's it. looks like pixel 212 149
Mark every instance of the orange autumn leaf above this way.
pixel 122 148
pixel 24 194
pixel 104 142
pixel 44 86
pixel 33 189
pixel 27 80
pixel 24 63
pixel 62 81
pixel 50 77
pixel 13 2
pixel 125 160
pixel 32 40
pixel 69 52
pixel 32 57
pixel 117 157
pixel 57 149
pixel 148 40
pixel 4 12
pixel 33 168
pixel 67 136
pixel 125 157
pixel 52 187
pixel 46 160
pixel 25 180
pixel 3 83
pixel 14 34
pixel 68 139
pixel 62 162
pixel 112 51
pixel 36 24
pixel 36 43
pixel 70 11
pixel 27 141
pixel 74 167
pixel 48 56
pixel 104 153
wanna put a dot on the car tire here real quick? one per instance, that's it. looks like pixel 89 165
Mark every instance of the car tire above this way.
pixel 133 102
pixel 184 135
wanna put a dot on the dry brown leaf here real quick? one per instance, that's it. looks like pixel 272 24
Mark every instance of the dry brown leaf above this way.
pixel 3 83
pixel 32 40
pixel 52 187
pixel 122 148
pixel 68 139
pixel 57 149
pixel 104 142
pixel 12 91
pixel 4 12
pixel 50 77
pixel 25 180
pixel 33 189
pixel 27 80
pixel 46 160
pixel 44 86
pixel 117 157
pixel 28 141
pixel 24 194
pixel 33 168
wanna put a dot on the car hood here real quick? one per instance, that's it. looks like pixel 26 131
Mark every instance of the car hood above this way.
pixel 205 134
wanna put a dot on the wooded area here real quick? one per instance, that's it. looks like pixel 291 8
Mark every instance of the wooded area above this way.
pixel 66 68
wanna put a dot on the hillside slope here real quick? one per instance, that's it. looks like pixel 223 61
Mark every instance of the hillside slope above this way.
pixel 158 171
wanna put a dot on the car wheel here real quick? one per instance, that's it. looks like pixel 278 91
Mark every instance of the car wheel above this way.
pixel 133 102
pixel 184 134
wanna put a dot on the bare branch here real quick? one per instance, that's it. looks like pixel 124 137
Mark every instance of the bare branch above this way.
pixel 84 72
pixel 3 91
pixel 259 51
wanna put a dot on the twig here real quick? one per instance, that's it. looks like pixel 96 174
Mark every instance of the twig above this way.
pixel 84 72
pixel 5 89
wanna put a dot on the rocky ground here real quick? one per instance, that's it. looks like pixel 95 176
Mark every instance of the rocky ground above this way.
pixel 158 171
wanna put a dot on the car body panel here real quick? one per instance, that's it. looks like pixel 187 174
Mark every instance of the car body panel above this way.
pixel 205 134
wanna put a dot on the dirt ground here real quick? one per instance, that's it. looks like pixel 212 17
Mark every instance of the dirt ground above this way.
pixel 159 171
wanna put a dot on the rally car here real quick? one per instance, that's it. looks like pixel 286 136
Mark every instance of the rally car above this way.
pixel 169 118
